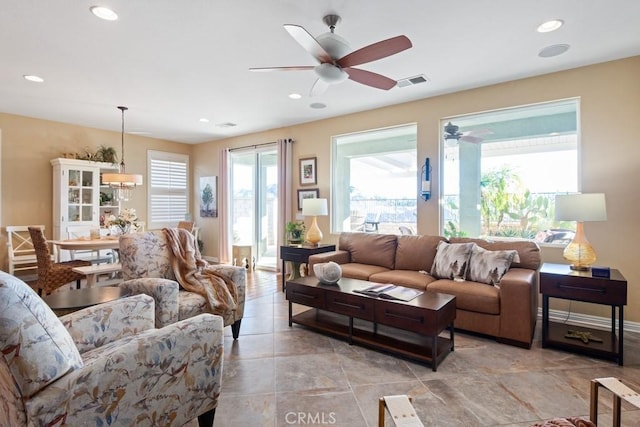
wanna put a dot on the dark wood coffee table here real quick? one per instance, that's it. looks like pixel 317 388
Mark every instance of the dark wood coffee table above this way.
pixel 411 329
pixel 65 302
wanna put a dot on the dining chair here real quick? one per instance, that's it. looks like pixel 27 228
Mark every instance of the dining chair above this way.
pixel 22 256
pixel 187 225
pixel 191 227
pixel 52 275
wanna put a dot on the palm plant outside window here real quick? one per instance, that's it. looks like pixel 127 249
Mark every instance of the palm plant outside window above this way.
pixel 501 173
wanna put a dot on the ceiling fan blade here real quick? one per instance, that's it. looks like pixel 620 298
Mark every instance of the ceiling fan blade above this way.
pixel 319 87
pixel 370 79
pixel 298 68
pixel 375 51
pixel 309 43
pixel 471 138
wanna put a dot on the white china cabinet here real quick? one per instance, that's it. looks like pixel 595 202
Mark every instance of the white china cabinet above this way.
pixel 79 200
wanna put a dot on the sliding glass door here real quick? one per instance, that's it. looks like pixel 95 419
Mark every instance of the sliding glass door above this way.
pixel 254 201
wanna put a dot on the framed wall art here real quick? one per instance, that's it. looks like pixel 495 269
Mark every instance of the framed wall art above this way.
pixel 307 194
pixel 308 174
pixel 209 196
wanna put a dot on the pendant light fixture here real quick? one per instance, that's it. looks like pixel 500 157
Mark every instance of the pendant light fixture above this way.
pixel 122 182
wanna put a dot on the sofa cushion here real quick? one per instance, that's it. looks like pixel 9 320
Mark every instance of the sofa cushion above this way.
pixel 489 266
pixel 528 252
pixel 470 296
pixel 408 278
pixel 451 261
pixel 35 345
pixel 416 252
pixel 370 248
pixel 360 271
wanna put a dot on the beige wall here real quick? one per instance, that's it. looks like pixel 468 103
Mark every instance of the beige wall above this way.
pixel 609 153
pixel 27 147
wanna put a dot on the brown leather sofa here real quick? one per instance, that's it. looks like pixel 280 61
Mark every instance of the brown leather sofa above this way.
pixel 507 312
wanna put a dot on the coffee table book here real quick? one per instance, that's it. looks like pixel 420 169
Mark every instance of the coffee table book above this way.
pixel 389 291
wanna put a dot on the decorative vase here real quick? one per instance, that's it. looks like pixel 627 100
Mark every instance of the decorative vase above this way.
pixel 119 230
pixel 328 273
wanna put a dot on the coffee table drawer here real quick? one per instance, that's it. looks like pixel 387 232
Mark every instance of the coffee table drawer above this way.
pixel 401 316
pixel 306 295
pixel 350 305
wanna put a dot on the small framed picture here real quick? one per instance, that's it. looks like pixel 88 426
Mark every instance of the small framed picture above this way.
pixel 307 194
pixel 308 171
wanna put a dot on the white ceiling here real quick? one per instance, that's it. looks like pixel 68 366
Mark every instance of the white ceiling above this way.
pixel 174 62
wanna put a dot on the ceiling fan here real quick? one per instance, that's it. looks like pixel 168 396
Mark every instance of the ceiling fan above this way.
pixel 336 60
pixel 452 134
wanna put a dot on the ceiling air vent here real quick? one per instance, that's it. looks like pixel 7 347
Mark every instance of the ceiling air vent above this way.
pixel 410 81
pixel 226 125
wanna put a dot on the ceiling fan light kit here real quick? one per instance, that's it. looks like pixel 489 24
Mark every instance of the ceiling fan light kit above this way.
pixel 452 135
pixel 336 60
pixel 330 73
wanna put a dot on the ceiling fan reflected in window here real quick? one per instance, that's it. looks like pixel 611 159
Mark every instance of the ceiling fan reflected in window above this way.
pixel 336 60
pixel 452 135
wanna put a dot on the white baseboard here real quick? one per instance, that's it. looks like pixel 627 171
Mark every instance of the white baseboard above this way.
pixel 596 322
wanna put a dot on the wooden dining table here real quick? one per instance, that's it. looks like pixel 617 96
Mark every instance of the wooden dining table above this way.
pixel 86 244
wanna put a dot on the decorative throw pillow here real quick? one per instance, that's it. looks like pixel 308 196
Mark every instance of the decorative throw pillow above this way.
pixel 36 347
pixel 451 260
pixel 489 266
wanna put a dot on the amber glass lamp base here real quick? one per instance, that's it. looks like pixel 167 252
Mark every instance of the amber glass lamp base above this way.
pixel 579 252
pixel 314 235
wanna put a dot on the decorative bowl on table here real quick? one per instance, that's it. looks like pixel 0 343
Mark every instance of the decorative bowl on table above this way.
pixel 328 273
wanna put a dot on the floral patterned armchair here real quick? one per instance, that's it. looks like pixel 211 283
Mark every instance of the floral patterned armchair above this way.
pixel 104 365
pixel 146 269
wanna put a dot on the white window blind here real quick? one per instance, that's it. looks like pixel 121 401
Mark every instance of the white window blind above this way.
pixel 168 188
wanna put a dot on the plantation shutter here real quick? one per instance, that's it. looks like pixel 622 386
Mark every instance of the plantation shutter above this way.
pixel 168 188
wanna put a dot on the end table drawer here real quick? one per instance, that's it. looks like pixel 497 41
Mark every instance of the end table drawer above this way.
pixel 305 295
pixel 577 288
pixel 350 305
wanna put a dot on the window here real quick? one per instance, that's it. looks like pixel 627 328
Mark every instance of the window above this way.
pixel 168 188
pixel 502 170
pixel 375 181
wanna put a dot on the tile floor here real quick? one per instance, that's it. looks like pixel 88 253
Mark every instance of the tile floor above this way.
pixel 275 375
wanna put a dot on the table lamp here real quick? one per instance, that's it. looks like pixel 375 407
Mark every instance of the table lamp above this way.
pixel 314 207
pixel 580 208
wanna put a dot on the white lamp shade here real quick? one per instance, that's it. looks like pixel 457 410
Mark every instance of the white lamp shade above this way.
pixel 122 179
pixel 581 207
pixel 314 207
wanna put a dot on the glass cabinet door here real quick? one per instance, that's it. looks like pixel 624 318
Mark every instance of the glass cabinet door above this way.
pixel 80 195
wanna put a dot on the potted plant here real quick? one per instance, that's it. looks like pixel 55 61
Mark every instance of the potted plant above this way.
pixel 107 154
pixel 295 232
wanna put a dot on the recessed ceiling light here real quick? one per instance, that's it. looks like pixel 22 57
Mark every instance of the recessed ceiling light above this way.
pixel 204 120
pixel 104 13
pixel 295 96
pixel 318 105
pixel 547 27
pixel 33 78
pixel 553 50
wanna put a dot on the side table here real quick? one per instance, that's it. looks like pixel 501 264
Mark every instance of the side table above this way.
pixel 68 301
pixel 299 254
pixel 559 281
